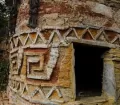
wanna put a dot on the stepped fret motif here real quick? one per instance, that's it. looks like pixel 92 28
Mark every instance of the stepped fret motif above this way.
pixel 73 34
pixel 36 56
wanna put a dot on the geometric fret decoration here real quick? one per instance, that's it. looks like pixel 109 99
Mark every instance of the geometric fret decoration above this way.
pixel 55 39
pixel 16 60
pixel 25 90
pixel 71 34
pixel 37 94
pixel 40 70
pixel 51 92
pixel 116 41
pixel 88 36
pixel 14 63
pixel 58 38
pixel 53 97
pixel 102 37
pixel 37 59
pixel 34 58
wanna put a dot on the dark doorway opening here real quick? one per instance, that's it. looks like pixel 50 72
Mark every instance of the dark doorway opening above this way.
pixel 88 70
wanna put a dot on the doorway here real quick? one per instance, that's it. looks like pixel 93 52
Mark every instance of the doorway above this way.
pixel 88 69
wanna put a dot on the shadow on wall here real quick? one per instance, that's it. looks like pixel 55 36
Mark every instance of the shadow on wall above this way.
pixel 88 70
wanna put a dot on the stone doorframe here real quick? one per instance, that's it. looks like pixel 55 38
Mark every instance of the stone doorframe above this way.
pixel 108 83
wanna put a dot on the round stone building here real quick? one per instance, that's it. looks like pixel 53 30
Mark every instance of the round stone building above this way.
pixel 65 52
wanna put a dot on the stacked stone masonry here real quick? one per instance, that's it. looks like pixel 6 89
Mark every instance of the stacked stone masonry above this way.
pixel 4 99
pixel 42 59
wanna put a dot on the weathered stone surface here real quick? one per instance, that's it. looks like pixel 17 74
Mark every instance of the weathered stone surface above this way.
pixel 42 59
pixel 63 14
pixel 46 62
pixel 100 9
pixel 117 17
pixel 4 99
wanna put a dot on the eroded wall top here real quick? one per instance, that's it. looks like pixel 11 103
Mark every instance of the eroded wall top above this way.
pixel 62 14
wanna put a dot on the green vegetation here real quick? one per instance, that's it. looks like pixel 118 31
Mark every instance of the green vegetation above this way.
pixel 4 64
pixel 4 74
pixel 4 16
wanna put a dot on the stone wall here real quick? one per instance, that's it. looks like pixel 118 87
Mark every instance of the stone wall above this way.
pixel 4 99
pixel 42 59
pixel 63 14
pixel 42 65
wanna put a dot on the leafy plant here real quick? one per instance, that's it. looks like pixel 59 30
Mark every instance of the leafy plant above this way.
pixel 4 74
